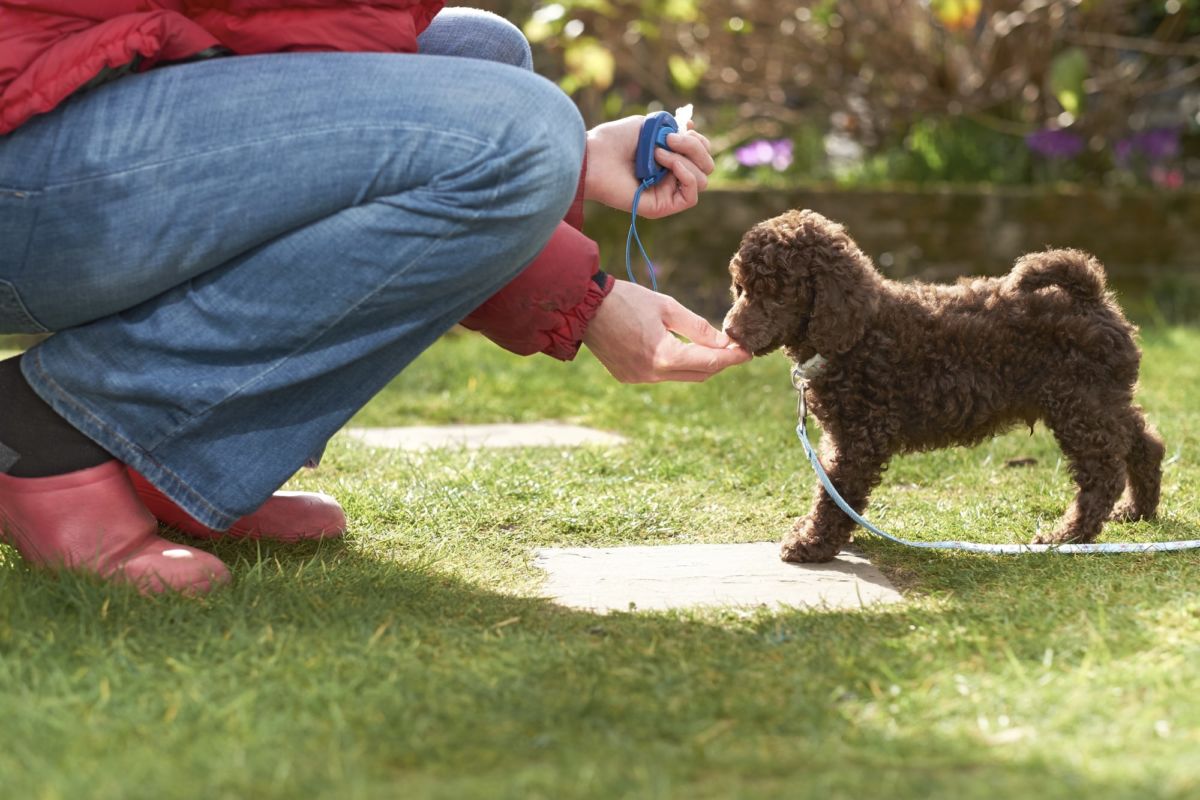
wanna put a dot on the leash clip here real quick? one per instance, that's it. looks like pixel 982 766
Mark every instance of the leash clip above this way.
pixel 800 384
pixel 801 374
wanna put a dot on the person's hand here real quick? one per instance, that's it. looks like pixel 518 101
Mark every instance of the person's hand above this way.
pixel 631 334
pixel 610 180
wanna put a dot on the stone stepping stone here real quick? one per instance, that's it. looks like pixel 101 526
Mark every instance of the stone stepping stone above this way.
pixel 654 578
pixel 471 437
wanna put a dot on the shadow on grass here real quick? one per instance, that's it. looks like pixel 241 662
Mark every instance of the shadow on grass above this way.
pixel 358 670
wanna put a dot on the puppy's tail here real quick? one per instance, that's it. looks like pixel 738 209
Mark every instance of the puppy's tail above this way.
pixel 1074 271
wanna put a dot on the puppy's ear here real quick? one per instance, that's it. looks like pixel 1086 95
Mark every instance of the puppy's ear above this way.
pixel 845 296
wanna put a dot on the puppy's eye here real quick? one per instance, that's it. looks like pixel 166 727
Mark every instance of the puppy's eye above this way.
pixel 737 290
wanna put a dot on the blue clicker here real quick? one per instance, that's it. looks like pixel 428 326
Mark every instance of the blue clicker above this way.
pixel 654 134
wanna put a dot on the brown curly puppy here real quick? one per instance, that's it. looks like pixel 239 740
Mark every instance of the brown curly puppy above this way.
pixel 914 366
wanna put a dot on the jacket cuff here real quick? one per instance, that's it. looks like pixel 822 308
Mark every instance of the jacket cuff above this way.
pixel 566 339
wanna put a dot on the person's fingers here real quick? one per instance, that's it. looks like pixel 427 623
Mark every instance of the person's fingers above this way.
pixel 674 161
pixel 682 320
pixel 683 168
pixel 720 358
pixel 694 147
pixel 688 362
pixel 693 163
pixel 689 183
pixel 686 377
pixel 684 192
pixel 690 192
pixel 672 196
pixel 694 358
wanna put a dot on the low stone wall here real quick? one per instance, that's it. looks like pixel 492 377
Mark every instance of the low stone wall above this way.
pixel 1148 241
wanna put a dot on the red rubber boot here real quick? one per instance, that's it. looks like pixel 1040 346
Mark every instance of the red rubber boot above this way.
pixel 285 517
pixel 91 521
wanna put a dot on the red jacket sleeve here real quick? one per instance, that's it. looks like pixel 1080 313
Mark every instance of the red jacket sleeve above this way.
pixel 548 306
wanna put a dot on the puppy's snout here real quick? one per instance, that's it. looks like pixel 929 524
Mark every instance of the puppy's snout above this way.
pixel 731 327
pixel 734 334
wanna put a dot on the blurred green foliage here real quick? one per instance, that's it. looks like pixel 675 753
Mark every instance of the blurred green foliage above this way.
pixel 947 149
pixel 877 91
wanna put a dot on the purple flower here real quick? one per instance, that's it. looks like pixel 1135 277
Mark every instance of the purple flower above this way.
pixel 781 159
pixel 776 153
pixel 1155 145
pixel 1056 144
pixel 1160 144
pixel 754 154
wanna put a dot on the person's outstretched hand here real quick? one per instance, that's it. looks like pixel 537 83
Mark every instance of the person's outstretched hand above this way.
pixel 610 179
pixel 631 334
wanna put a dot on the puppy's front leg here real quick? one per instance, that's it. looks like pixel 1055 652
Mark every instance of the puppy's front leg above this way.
pixel 855 470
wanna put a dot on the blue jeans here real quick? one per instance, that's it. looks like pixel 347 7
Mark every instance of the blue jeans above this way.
pixel 237 254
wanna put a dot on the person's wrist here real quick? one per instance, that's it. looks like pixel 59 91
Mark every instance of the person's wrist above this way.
pixel 599 287
pixel 589 177
pixel 599 294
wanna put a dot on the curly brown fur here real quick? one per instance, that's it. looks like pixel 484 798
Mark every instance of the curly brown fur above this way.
pixel 915 366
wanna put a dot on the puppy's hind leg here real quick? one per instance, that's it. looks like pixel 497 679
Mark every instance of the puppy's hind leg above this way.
pixel 825 530
pixel 1143 471
pixel 1095 440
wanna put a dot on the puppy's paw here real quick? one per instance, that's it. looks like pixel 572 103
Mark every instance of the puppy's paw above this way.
pixel 804 546
pixel 1127 511
pixel 1064 534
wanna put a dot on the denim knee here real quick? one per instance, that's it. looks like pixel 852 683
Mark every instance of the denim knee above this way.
pixel 556 139
pixel 474 33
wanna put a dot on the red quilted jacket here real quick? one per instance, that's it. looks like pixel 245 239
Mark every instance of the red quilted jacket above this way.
pixel 50 49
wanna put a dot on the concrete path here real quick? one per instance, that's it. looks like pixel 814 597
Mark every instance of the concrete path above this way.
pixel 535 434
pixel 681 576
pixel 656 577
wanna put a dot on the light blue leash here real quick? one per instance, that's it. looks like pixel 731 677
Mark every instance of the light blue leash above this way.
pixel 633 236
pixel 800 383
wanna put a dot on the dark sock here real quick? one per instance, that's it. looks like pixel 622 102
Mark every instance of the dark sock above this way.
pixel 35 442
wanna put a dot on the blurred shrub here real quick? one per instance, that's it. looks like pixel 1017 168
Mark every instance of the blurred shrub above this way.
pixel 947 149
pixel 975 90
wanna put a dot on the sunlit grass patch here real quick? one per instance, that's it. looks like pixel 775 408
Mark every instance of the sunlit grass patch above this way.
pixel 415 659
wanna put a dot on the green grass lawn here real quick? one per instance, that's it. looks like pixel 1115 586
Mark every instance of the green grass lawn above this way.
pixel 414 659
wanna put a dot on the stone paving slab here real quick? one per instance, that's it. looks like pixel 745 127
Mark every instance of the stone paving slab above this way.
pixel 534 434
pixel 688 575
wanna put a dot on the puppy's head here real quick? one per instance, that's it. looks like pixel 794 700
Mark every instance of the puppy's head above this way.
pixel 800 282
